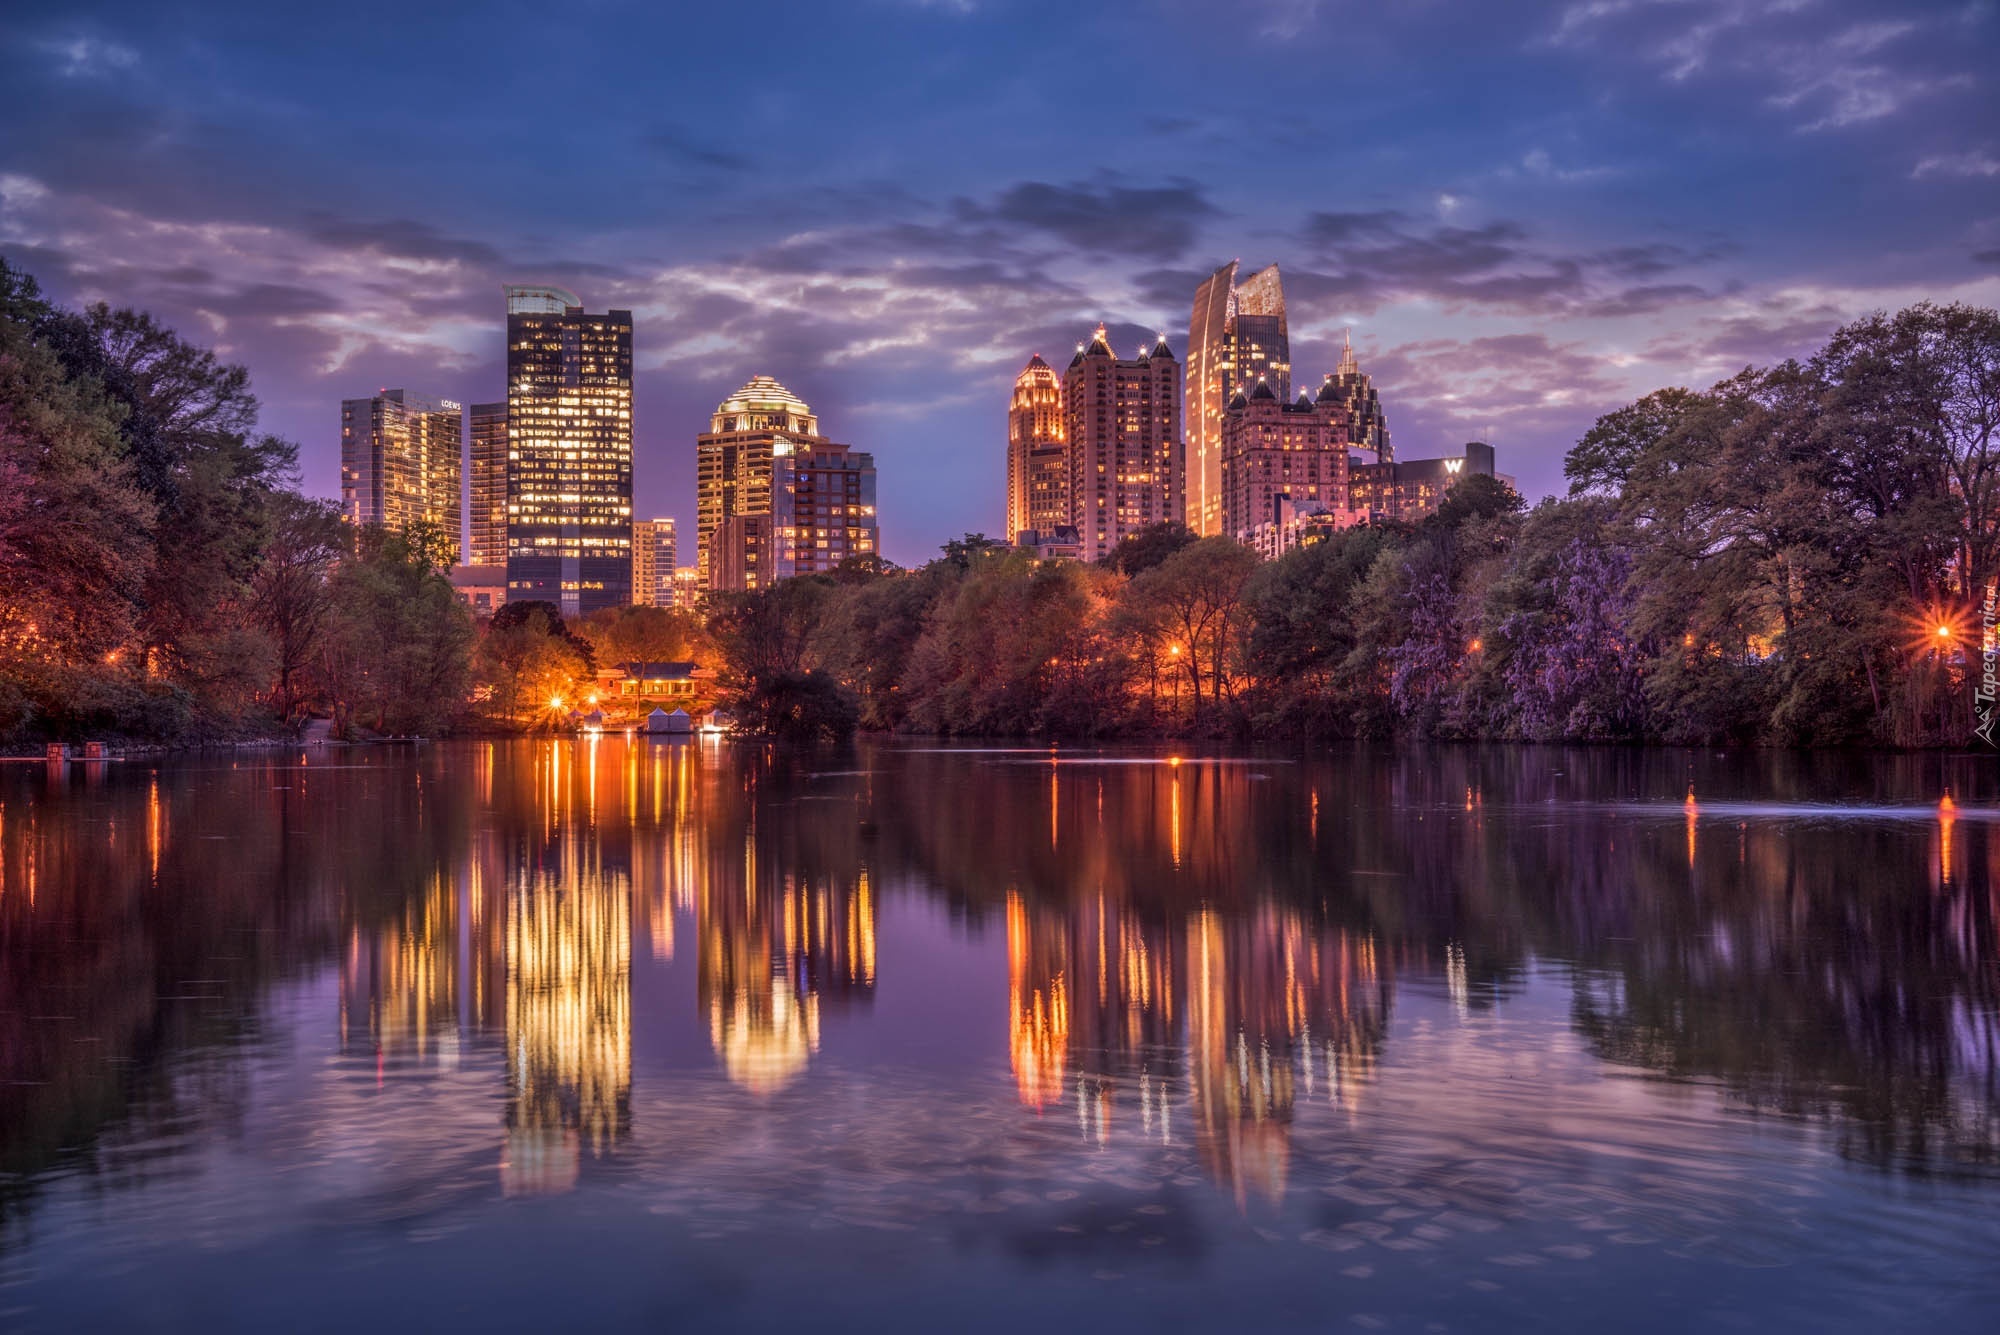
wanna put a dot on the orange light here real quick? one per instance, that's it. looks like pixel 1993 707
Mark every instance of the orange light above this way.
pixel 1944 632
pixel 1475 646
pixel 1174 649
pixel 555 702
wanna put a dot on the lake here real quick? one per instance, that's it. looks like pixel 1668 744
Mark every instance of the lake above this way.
pixel 618 1034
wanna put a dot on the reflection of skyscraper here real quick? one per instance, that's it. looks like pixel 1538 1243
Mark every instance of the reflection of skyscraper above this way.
pixel 1122 423
pixel 772 949
pixel 1236 337
pixel 1037 463
pixel 569 441
pixel 1272 1008
pixel 1037 1004
pixel 399 979
pixel 568 942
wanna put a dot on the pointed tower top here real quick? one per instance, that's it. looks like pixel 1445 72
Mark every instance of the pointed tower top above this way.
pixel 1348 366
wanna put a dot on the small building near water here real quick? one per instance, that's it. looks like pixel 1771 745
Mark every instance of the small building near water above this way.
pixel 662 723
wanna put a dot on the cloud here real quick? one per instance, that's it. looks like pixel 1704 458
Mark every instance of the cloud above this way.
pixel 88 57
pixel 1830 69
pixel 1384 256
pixel 690 150
pixel 1976 163
pixel 1157 222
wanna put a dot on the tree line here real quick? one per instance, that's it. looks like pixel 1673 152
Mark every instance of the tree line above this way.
pixel 161 576
pixel 1803 554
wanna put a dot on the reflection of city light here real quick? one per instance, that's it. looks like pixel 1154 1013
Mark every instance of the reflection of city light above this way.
pixel 569 1019
pixel 1947 816
pixel 1693 813
pixel 1037 1011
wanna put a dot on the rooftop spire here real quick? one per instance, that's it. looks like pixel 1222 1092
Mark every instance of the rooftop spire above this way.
pixel 1348 366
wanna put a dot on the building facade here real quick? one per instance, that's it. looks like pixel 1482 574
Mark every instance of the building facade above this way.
pixel 822 512
pixel 399 462
pixel 1237 337
pixel 1408 490
pixel 689 589
pixel 733 459
pixel 488 492
pixel 655 552
pixel 1037 460
pixel 1273 452
pixel 1121 420
pixel 1360 406
pixel 569 445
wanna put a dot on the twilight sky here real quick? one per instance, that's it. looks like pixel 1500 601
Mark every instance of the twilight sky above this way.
pixel 1528 214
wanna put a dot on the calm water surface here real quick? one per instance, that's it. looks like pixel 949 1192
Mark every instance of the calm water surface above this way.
pixel 626 1035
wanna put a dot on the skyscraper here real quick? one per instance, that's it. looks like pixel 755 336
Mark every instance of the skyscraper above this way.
pixel 654 551
pixel 399 462
pixel 825 494
pixel 1237 336
pixel 822 512
pixel 1274 450
pixel 1037 464
pixel 489 485
pixel 1122 423
pixel 1361 406
pixel 569 442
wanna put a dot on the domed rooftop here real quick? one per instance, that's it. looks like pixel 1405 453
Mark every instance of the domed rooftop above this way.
pixel 1264 393
pixel 764 404
pixel 1100 344
pixel 1329 392
pixel 1160 349
pixel 763 393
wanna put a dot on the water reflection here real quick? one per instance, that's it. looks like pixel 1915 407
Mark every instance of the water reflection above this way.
pixel 1197 953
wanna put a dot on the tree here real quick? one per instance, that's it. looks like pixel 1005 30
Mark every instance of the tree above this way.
pixel 1140 551
pixel 531 661
pixel 1193 599
pixel 645 634
pixel 75 549
pixel 292 590
pixel 398 650
pixel 189 434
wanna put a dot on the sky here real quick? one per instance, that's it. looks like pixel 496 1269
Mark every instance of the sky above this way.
pixel 1526 214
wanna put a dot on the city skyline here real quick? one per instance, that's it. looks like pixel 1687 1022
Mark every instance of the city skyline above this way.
pixel 1526 219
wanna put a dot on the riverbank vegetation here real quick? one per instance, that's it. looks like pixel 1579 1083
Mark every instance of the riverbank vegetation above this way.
pixel 161 577
pixel 1799 555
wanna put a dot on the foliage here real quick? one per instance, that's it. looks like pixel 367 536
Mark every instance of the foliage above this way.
pixel 396 657
pixel 530 661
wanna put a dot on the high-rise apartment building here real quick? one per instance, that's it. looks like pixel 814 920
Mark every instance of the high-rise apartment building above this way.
pixel 569 445
pixel 1361 406
pixel 1037 461
pixel 1121 420
pixel 1237 337
pixel 774 498
pixel 488 492
pixel 654 552
pixel 822 512
pixel 399 462
pixel 1273 452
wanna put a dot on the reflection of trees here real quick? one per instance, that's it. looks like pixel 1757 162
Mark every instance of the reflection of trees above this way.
pixel 1842 968
pixel 142 917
